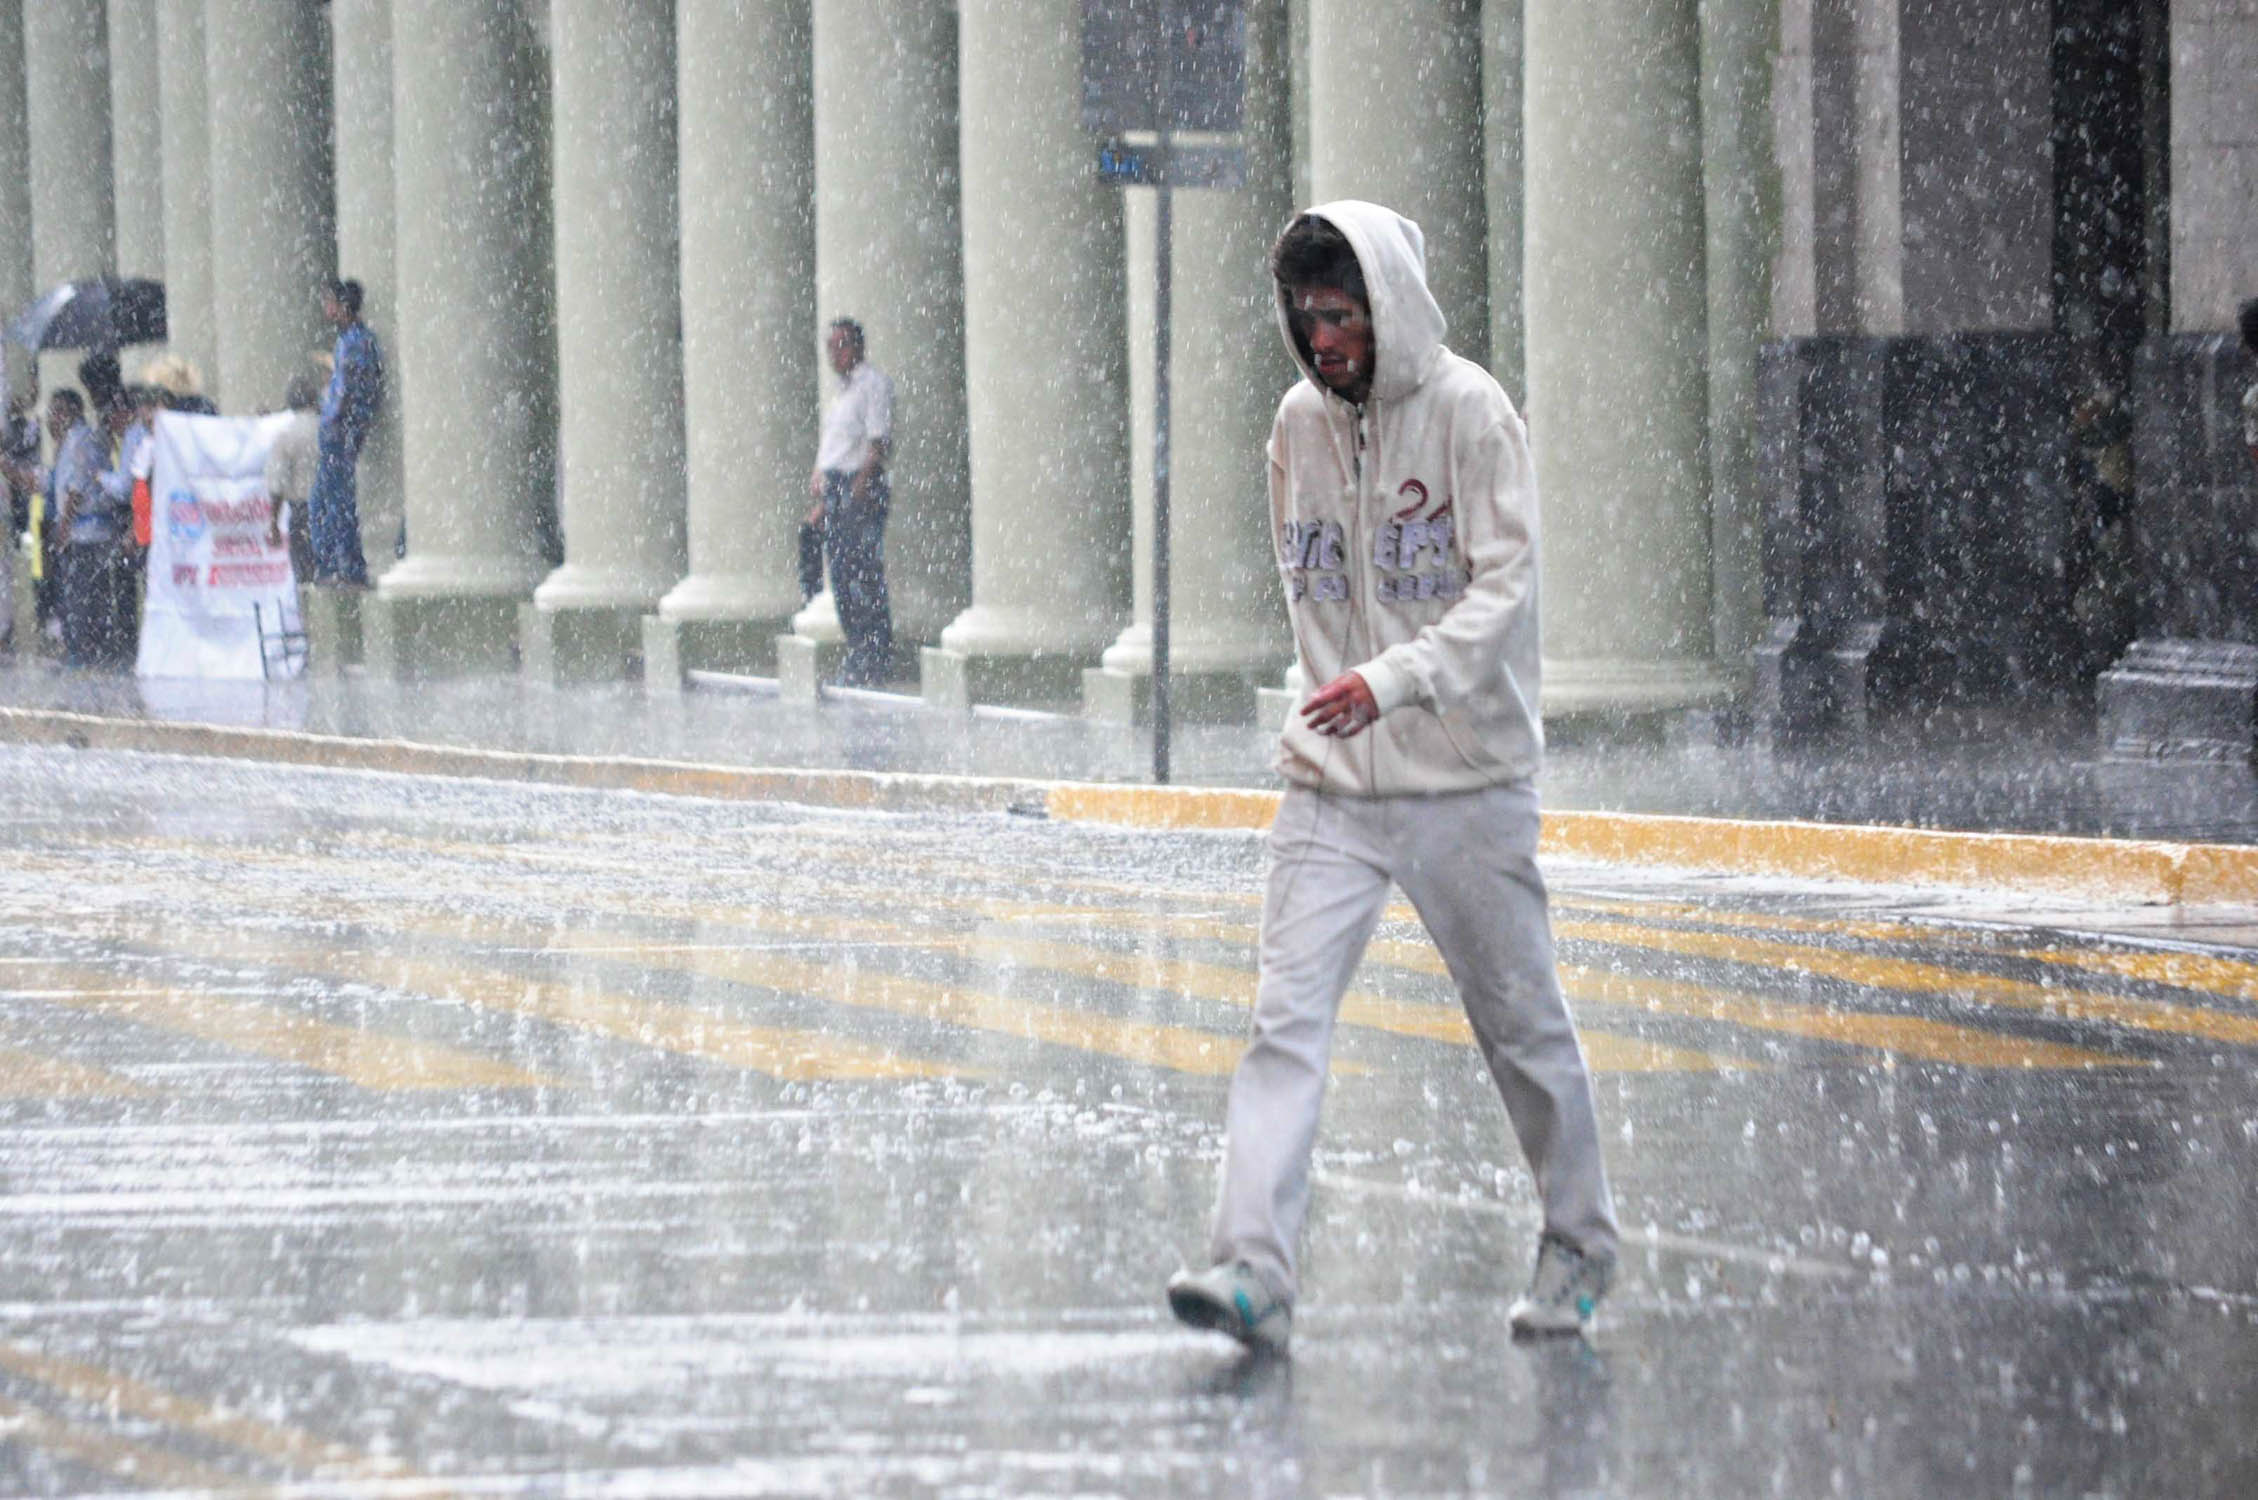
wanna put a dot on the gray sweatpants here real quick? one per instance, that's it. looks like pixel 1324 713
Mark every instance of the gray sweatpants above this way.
pixel 1467 862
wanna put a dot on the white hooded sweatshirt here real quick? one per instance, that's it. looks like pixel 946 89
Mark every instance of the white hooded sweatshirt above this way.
pixel 1407 542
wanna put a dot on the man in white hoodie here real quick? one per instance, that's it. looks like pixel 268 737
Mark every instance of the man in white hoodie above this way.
pixel 1404 507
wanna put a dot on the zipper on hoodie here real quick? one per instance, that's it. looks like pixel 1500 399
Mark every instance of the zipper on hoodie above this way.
pixel 1360 562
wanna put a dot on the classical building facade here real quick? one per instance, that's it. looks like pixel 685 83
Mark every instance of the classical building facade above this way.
pixel 1733 257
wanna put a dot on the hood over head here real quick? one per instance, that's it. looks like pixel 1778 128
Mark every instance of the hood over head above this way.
pixel 1407 325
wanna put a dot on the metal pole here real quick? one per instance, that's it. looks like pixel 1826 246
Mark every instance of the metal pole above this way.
pixel 1164 234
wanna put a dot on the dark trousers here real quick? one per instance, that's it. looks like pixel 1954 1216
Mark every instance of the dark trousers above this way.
pixel 854 534
pixel 335 511
pixel 98 604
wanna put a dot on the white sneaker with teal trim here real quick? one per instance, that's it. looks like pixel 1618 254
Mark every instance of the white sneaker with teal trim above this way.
pixel 1566 1288
pixel 1232 1298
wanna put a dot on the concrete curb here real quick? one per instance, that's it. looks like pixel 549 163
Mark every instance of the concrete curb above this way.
pixel 2116 870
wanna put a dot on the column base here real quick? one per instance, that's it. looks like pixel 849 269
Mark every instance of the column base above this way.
pixel 1604 688
pixel 1111 695
pixel 803 665
pixel 957 680
pixel 672 649
pixel 559 647
pixel 412 636
pixel 332 618
pixel 2181 700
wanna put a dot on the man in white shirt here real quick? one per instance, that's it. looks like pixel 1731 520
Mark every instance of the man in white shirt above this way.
pixel 848 485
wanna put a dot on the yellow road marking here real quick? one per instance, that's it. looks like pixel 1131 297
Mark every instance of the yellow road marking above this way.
pixel 302 1452
pixel 791 1054
pixel 368 1059
pixel 1185 1049
pixel 1909 1036
pixel 27 1075
pixel 1205 981
pixel 1909 975
pixel 1971 1044
pixel 149 1467
pixel 2209 974
pixel 1905 1036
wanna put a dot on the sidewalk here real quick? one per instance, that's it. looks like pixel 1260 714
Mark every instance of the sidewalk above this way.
pixel 1980 800
pixel 1997 773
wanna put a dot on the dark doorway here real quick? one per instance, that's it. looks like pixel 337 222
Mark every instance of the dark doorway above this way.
pixel 2108 62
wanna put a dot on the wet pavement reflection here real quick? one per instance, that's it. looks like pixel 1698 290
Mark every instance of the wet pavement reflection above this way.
pixel 380 1135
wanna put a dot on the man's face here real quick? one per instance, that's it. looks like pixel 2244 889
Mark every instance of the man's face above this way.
pixel 332 309
pixel 840 346
pixel 1338 330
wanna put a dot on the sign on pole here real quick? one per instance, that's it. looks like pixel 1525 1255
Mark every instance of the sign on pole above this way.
pixel 1163 65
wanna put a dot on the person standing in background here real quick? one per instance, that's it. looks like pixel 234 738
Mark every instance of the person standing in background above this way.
pixel 19 467
pixel 292 464
pixel 348 411
pixel 91 529
pixel 849 486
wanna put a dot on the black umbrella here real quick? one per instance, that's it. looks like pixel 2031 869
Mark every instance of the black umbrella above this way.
pixel 101 312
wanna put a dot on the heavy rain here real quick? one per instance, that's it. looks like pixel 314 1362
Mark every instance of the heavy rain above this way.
pixel 1128 747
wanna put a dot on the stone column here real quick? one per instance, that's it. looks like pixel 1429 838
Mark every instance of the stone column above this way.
pixel 1617 318
pixel 1740 195
pixel 2188 687
pixel 136 152
pixel 360 34
pixel 1394 106
pixel 1227 619
pixel 266 76
pixel 1044 358
pixel 890 254
pixel 619 337
pixel 15 179
pixel 67 83
pixel 476 345
pixel 748 309
pixel 1503 190
pixel 184 138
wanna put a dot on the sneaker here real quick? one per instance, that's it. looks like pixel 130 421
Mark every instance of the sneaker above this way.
pixel 1235 1300
pixel 1566 1287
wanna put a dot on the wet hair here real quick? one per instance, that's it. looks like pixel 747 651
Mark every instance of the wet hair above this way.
pixel 100 374
pixel 347 292
pixel 70 401
pixel 851 329
pixel 2247 318
pixel 174 375
pixel 302 394
pixel 1313 252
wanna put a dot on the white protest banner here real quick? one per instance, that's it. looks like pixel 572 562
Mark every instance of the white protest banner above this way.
pixel 213 572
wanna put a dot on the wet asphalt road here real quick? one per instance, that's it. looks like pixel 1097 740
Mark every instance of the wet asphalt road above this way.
pixel 377 1135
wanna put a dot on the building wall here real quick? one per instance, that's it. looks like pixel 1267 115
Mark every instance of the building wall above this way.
pixel 1975 114
pixel 1909 193
pixel 2214 110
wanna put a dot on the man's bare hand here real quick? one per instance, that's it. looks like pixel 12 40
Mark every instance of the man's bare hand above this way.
pixel 1343 707
pixel 815 514
pixel 815 484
